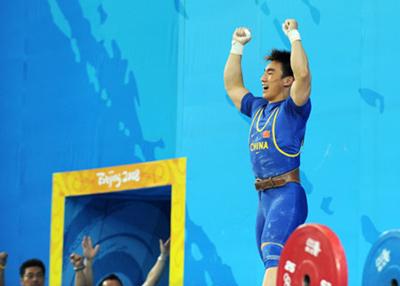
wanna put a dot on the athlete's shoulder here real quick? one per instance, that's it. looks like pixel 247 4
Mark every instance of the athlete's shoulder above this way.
pixel 251 103
pixel 291 106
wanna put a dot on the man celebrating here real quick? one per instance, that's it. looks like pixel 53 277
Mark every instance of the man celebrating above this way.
pixel 276 135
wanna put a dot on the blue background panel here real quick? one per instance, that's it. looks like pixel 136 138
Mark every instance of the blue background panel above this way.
pixel 127 225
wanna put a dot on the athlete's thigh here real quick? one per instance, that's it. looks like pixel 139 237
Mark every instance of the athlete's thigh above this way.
pixel 287 209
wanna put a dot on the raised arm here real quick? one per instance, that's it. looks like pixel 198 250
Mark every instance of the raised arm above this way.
pixel 77 262
pixel 89 252
pixel 158 268
pixel 3 263
pixel 301 87
pixel 233 79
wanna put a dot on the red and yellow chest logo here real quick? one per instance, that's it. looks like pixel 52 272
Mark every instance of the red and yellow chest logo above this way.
pixel 266 134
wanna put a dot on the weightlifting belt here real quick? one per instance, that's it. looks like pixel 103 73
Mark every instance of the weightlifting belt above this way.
pixel 277 181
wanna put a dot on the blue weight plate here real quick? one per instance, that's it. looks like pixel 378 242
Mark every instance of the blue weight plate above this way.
pixel 382 266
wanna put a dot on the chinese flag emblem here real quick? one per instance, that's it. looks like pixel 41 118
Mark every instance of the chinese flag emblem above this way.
pixel 266 134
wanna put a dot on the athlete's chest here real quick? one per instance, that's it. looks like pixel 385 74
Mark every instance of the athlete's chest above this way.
pixel 262 128
pixel 263 122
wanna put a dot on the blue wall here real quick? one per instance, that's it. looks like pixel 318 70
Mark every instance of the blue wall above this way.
pixel 76 93
pixel 127 226
pixel 86 85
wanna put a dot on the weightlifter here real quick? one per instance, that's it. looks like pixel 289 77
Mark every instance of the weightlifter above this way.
pixel 277 132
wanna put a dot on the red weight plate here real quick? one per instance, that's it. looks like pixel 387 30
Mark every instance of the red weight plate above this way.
pixel 314 256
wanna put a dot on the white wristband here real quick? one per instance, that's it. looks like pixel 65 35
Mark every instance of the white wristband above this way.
pixel 293 35
pixel 237 48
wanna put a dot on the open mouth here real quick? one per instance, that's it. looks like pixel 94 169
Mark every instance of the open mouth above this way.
pixel 265 87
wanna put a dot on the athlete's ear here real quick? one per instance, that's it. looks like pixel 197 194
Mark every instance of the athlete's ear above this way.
pixel 288 81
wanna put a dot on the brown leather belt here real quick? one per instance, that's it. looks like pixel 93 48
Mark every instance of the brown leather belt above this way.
pixel 278 181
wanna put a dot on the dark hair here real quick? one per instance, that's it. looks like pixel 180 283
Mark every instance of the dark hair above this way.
pixel 112 276
pixel 31 263
pixel 282 57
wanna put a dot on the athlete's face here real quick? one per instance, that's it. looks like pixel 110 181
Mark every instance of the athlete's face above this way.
pixel 272 82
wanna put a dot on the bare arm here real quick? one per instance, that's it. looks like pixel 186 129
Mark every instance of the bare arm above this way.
pixel 301 88
pixel 233 78
pixel 156 271
pixel 88 272
pixel 77 262
pixel 1 276
pixel 3 262
pixel 89 252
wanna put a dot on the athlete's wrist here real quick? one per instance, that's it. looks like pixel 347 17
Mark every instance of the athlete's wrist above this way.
pixel 293 36
pixel 237 48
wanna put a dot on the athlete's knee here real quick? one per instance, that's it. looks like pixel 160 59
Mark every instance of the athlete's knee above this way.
pixel 271 252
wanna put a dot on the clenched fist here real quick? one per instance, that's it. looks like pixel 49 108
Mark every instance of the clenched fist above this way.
pixel 288 25
pixel 241 35
pixel 76 260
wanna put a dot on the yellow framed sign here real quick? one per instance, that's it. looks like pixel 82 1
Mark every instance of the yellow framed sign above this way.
pixel 113 180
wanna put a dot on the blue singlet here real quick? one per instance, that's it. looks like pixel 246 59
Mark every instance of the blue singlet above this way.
pixel 276 136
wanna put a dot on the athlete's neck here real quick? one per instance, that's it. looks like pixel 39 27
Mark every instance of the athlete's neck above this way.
pixel 281 96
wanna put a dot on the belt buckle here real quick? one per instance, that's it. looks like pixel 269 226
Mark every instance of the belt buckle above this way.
pixel 266 183
pixel 271 182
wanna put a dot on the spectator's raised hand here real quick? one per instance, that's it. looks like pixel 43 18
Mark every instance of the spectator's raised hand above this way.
pixel 165 247
pixel 88 250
